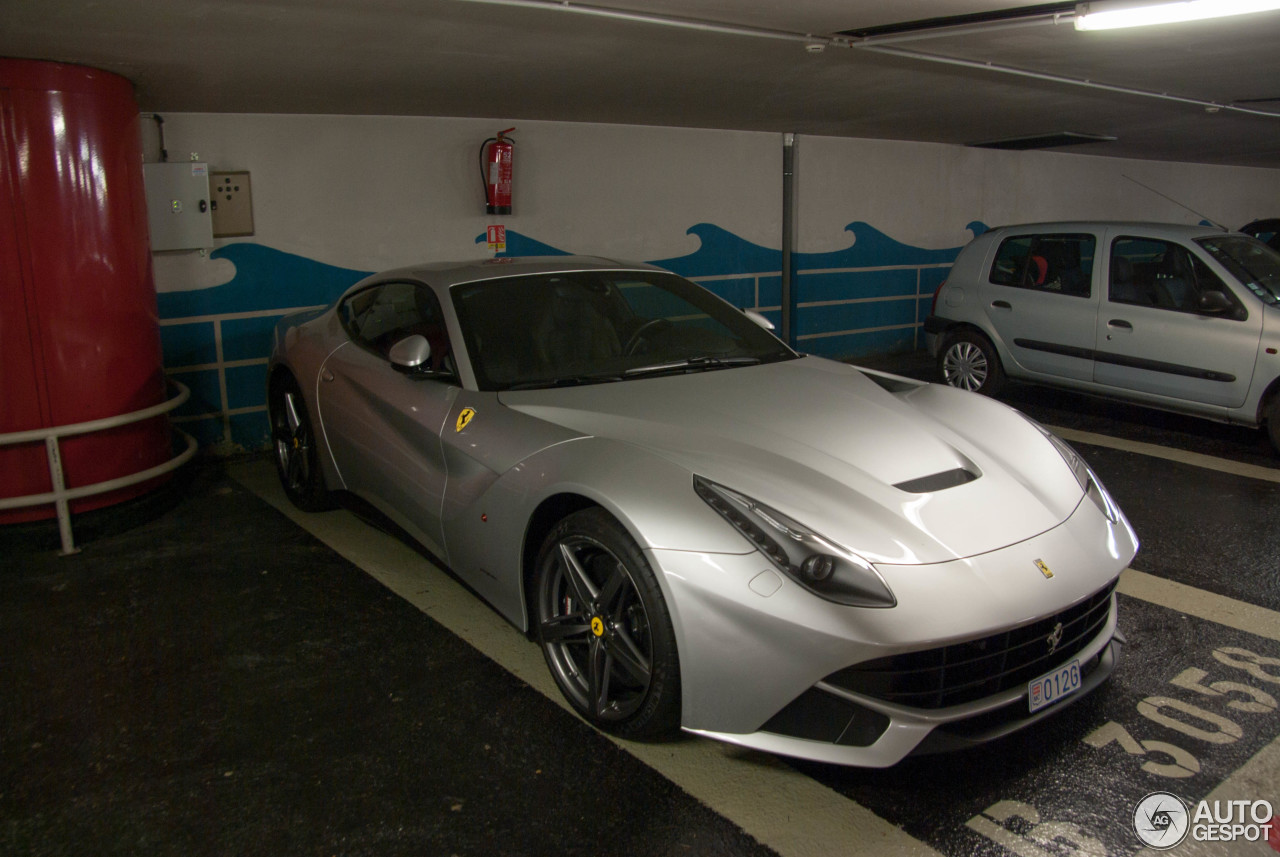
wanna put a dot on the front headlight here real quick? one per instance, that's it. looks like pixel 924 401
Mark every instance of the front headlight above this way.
pixel 816 563
pixel 1084 474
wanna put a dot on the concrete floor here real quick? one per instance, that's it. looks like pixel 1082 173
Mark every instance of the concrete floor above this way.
pixel 224 675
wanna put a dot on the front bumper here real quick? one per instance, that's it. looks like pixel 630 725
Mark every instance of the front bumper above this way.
pixel 753 644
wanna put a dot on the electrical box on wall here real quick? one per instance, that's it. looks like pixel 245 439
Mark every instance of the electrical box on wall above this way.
pixel 231 197
pixel 178 205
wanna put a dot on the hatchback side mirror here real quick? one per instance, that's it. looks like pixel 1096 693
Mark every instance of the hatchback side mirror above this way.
pixel 1215 303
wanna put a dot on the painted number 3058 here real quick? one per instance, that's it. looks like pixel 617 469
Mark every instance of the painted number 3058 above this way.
pixel 1200 723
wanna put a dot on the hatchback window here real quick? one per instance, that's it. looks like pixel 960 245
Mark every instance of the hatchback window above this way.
pixel 1162 274
pixel 1049 263
pixel 1250 261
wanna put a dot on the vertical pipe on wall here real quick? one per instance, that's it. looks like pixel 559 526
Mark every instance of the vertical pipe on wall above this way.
pixel 788 229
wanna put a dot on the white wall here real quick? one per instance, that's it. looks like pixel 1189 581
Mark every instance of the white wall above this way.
pixel 924 193
pixel 335 196
pixel 378 192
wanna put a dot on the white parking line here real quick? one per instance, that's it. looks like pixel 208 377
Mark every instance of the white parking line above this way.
pixel 783 809
pixel 1204 605
pixel 1210 462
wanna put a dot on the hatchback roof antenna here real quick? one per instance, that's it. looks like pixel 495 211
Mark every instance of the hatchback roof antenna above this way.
pixel 1179 204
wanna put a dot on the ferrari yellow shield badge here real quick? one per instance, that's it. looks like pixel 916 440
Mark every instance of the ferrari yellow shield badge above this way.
pixel 464 418
pixel 1044 569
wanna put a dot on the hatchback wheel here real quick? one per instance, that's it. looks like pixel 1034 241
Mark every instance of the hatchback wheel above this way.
pixel 969 361
pixel 604 628
pixel 1273 422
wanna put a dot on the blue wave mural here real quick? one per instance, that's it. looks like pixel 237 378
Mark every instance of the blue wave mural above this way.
pixel 721 252
pixel 265 279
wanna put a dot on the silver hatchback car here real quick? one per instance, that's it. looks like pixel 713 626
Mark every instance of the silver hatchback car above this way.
pixel 1183 318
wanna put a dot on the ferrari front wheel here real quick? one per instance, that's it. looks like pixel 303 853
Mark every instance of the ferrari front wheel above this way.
pixel 605 630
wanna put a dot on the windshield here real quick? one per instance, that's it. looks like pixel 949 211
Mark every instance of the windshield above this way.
pixel 587 327
pixel 1250 261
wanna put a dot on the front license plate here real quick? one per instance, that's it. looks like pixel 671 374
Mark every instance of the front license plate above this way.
pixel 1051 687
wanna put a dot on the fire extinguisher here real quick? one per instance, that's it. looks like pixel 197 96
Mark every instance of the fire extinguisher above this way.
pixel 495 172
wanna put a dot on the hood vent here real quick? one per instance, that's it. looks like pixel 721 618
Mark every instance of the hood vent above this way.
pixel 937 482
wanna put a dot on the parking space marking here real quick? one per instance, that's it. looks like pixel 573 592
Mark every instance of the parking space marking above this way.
pixel 782 808
pixel 1203 605
pixel 1210 462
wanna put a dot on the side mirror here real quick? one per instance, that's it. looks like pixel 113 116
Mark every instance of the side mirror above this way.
pixel 1215 303
pixel 758 319
pixel 411 354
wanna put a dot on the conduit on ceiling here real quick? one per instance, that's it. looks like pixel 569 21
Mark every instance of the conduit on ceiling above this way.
pixel 884 39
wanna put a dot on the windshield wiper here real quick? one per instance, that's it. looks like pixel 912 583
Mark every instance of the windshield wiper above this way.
pixel 692 364
pixel 566 381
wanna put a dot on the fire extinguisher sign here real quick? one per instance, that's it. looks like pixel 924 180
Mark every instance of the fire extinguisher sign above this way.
pixel 497 238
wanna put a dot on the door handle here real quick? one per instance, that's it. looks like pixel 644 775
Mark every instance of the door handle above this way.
pixel 326 375
pixel 1120 323
pixel 1001 305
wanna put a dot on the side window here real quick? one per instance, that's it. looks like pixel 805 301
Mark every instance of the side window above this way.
pixel 380 316
pixel 1162 274
pixel 1062 264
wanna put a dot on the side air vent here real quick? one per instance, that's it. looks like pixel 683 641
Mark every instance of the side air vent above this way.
pixel 937 482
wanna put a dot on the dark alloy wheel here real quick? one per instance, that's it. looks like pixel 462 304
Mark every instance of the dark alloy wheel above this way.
pixel 604 628
pixel 969 361
pixel 296 460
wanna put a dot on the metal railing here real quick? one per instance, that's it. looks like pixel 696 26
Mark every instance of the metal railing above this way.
pixel 61 495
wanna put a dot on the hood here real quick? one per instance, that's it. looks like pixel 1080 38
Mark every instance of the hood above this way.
pixel 825 444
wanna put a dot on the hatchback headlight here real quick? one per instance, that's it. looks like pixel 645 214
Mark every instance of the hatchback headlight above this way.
pixel 816 563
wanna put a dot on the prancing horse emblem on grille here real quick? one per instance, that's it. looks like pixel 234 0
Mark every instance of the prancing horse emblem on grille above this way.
pixel 1055 638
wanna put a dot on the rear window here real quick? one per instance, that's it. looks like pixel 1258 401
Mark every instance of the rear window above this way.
pixel 1062 264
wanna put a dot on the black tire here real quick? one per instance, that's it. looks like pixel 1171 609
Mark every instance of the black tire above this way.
pixel 1273 422
pixel 297 463
pixel 968 361
pixel 605 630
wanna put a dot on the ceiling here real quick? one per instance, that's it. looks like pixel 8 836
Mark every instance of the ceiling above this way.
pixel 758 72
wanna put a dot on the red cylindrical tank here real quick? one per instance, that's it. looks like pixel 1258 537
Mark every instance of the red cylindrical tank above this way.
pixel 79 336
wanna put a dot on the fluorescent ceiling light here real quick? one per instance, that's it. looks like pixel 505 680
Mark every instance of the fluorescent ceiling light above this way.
pixel 1111 15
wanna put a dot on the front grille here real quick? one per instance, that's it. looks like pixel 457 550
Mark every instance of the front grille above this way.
pixel 975 669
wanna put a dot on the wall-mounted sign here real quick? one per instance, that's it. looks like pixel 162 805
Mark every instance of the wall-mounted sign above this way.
pixel 497 238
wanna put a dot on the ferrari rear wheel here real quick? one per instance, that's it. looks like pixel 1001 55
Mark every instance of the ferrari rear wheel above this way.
pixel 969 361
pixel 605 630
pixel 296 461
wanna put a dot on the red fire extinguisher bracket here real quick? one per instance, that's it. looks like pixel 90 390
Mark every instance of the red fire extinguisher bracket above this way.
pixel 495 172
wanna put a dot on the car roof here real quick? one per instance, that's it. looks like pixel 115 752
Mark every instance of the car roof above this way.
pixel 446 274
pixel 1153 229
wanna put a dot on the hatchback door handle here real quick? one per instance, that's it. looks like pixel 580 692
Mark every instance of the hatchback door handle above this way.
pixel 1001 305
pixel 1120 323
